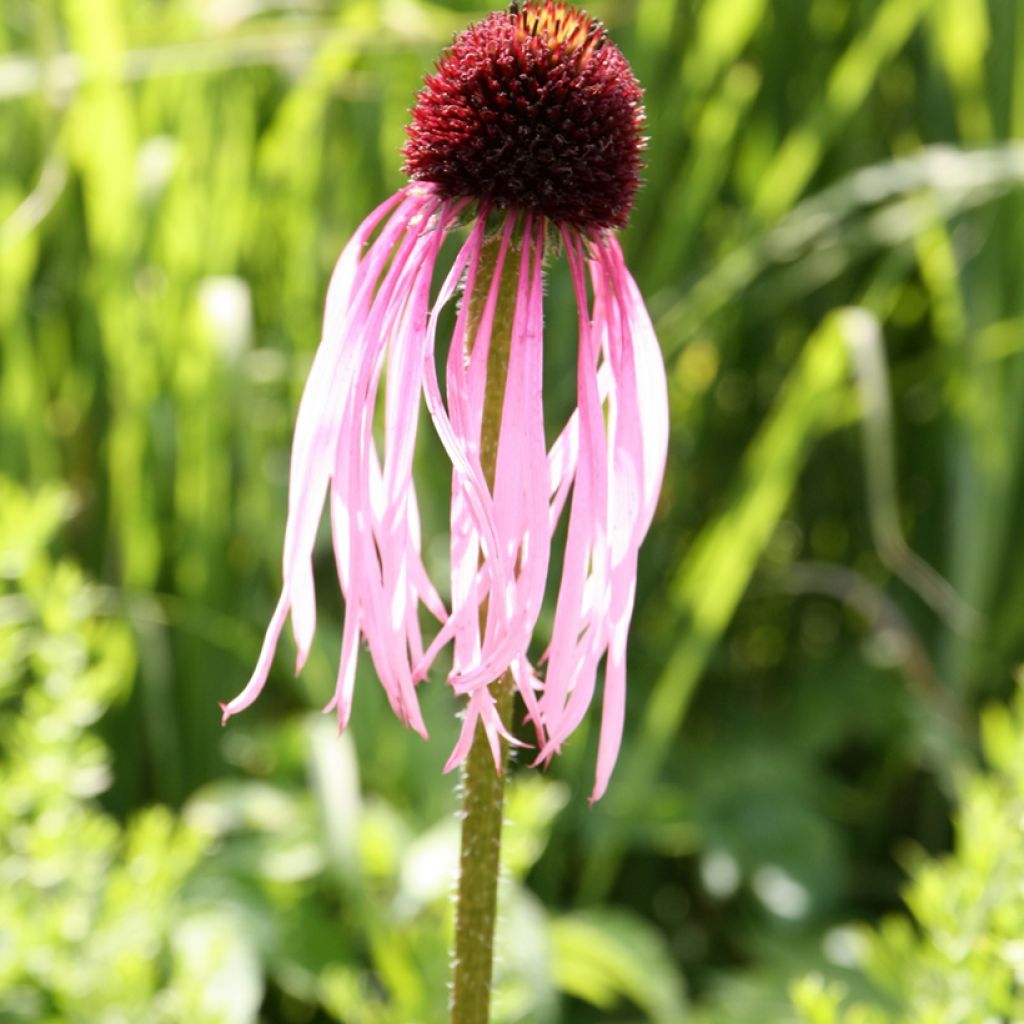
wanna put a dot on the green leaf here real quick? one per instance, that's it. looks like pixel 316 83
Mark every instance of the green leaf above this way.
pixel 604 956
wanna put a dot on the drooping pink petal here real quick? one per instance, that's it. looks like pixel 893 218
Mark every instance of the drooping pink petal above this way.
pixel 652 387
pixel 318 420
pixel 575 644
pixel 605 465
pixel 638 430
pixel 521 509
pixel 259 676
pixel 625 533
pixel 466 468
pixel 481 709
pixel 619 435
pixel 380 545
pixel 341 702
pixel 317 426
pixel 353 483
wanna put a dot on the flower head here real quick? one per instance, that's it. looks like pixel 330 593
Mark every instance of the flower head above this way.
pixel 536 109
pixel 530 130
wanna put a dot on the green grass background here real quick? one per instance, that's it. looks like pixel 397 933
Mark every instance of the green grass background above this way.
pixel 831 241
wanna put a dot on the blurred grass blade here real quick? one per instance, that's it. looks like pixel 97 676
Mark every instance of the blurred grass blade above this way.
pixel 37 204
pixel 848 85
pixel 863 336
pixel 892 202
pixel 63 73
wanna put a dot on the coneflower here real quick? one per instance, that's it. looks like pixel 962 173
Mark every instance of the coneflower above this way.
pixel 528 140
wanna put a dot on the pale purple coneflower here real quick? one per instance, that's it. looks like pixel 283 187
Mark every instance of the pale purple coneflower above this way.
pixel 530 133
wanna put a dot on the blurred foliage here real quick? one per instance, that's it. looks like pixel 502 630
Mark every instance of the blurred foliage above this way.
pixel 331 894
pixel 93 925
pixel 830 240
pixel 960 956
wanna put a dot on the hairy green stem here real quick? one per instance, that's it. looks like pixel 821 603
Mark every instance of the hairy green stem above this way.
pixel 482 787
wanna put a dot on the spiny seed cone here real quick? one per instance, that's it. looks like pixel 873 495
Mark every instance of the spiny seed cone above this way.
pixel 533 108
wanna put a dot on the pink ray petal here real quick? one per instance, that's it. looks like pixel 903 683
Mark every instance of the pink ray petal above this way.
pixel 586 544
pixel 259 676
pixel 605 467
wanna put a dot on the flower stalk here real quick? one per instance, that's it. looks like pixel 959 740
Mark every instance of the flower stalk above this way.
pixel 482 787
